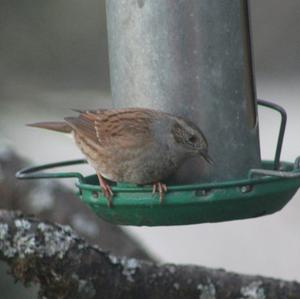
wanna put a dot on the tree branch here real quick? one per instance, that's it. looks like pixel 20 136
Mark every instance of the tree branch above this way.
pixel 66 266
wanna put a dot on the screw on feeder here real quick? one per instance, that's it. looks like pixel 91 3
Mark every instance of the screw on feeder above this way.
pixel 203 192
pixel 95 194
pixel 246 189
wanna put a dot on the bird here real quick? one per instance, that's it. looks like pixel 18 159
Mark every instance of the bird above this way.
pixel 133 145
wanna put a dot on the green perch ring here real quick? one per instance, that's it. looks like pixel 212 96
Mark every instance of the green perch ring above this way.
pixel 186 204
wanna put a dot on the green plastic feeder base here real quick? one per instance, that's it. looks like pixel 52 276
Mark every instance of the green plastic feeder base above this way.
pixel 192 204
pixel 266 191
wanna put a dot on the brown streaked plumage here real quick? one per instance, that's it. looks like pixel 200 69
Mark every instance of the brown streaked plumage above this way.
pixel 133 145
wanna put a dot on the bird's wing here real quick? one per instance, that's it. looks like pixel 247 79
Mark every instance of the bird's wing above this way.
pixel 123 127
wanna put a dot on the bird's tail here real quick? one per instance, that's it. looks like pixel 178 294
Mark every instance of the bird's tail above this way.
pixel 59 126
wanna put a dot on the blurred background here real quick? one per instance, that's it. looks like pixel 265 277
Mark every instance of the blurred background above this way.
pixel 53 57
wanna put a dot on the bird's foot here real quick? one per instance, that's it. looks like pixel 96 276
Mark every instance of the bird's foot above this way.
pixel 106 190
pixel 161 188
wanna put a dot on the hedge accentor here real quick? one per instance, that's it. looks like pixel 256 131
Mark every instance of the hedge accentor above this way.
pixel 133 145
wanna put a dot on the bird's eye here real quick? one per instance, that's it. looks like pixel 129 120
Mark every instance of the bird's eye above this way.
pixel 192 139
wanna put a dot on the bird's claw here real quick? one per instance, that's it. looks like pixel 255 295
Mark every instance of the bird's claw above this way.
pixel 108 194
pixel 161 188
pixel 106 190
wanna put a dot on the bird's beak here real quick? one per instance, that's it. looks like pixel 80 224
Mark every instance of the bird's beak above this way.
pixel 207 158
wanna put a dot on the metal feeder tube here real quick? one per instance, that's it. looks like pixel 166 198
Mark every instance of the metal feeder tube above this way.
pixel 193 59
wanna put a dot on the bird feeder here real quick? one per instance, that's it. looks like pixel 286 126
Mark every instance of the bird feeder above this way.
pixel 192 59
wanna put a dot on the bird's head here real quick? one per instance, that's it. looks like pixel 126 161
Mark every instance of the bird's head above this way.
pixel 190 138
